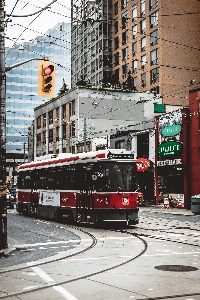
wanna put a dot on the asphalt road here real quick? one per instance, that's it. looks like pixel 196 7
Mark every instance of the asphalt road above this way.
pixel 157 259
pixel 30 239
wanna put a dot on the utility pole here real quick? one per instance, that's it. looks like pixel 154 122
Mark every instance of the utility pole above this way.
pixel 2 97
pixel 85 134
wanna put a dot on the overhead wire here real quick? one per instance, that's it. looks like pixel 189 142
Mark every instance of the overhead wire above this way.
pixel 6 22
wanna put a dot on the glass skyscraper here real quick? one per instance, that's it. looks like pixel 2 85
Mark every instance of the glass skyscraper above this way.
pixel 22 86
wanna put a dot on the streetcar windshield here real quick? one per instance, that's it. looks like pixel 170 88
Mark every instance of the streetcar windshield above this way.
pixel 114 177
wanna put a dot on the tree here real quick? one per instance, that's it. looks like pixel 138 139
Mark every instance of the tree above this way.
pixel 129 83
pixel 82 82
pixel 112 81
pixel 63 89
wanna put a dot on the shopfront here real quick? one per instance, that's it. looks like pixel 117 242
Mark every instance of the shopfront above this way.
pixel 171 164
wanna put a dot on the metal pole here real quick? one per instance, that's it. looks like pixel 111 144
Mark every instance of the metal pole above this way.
pixel 24 152
pixel 84 134
pixel 2 98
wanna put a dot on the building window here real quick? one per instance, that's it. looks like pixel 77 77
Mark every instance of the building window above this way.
pixel 153 4
pixel 154 19
pixel 143 62
pixel 125 54
pixel 143 80
pixel 120 144
pixel 50 117
pixel 143 44
pixel 44 138
pixel 116 8
pixel 63 112
pixel 125 37
pixel 154 57
pixel 135 82
pixel 143 26
pixel 63 131
pixel 134 31
pixel 134 48
pixel 44 120
pixel 39 122
pixel 125 70
pixel 154 38
pixel 134 13
pixel 57 114
pixel 117 75
pixel 142 7
pixel 155 90
pixel 117 59
pixel 50 135
pixel 57 133
pixel 124 3
pixel 38 139
pixel 154 75
pixel 134 66
pixel 116 43
pixel 124 20
pixel 72 108
pixel 116 26
pixel 143 145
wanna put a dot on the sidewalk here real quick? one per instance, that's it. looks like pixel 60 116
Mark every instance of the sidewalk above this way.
pixel 160 208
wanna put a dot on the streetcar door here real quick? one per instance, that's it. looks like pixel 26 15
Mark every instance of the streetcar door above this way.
pixel 85 200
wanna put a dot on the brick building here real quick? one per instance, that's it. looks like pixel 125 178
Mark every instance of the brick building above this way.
pixel 194 142
pixel 158 41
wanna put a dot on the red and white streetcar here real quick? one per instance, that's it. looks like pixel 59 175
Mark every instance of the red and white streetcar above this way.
pixel 85 187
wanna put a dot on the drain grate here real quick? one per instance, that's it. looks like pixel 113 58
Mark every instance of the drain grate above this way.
pixel 176 268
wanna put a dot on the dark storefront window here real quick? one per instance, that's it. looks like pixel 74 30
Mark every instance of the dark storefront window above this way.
pixel 143 145
pixel 170 180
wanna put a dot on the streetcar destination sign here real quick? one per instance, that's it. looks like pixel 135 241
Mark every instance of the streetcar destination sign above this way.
pixel 169 148
pixel 171 130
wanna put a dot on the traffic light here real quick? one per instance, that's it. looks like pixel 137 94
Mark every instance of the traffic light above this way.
pixel 46 79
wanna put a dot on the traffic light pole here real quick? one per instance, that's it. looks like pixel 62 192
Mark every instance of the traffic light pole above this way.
pixel 2 98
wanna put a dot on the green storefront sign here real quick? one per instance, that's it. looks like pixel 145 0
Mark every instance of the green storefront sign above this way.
pixel 171 130
pixel 169 148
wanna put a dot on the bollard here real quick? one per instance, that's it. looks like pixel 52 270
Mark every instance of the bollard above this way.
pixel 4 227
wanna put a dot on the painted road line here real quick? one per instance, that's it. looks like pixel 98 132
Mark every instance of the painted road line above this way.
pixel 50 281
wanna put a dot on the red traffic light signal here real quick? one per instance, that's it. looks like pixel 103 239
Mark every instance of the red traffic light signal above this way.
pixel 46 79
pixel 49 70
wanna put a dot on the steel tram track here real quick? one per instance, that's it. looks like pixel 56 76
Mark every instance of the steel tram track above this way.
pixel 168 238
pixel 15 294
pixel 93 244
pixel 141 236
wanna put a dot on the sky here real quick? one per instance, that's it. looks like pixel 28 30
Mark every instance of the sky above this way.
pixel 16 26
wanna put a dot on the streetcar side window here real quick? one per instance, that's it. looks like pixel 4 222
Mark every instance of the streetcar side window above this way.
pixel 51 175
pixel 64 177
pixel 24 180
pixel 60 178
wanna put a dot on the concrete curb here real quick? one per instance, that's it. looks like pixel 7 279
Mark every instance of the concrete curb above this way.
pixel 161 209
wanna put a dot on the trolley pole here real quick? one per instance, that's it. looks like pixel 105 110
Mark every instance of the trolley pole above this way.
pixel 2 97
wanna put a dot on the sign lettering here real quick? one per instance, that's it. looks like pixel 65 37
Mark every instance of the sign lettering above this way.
pixel 168 162
pixel 169 148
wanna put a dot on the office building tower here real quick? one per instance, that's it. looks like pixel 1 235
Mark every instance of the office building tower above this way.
pixel 91 41
pixel 22 86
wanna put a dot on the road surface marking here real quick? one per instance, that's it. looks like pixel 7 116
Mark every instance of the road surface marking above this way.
pixel 50 281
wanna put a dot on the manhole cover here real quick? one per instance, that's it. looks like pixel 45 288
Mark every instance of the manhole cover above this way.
pixel 176 268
